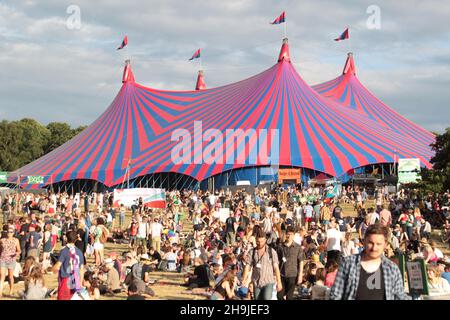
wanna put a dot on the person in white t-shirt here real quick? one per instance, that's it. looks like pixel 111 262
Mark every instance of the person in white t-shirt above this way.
pixel 308 212
pixel 333 242
pixel 348 246
pixel 156 230
pixel 142 234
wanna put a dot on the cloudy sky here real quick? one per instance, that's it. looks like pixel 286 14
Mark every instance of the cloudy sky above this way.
pixel 54 69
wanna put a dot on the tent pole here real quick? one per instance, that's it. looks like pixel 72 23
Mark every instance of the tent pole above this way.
pixel 17 195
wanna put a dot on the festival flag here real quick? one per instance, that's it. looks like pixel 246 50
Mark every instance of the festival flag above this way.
pixel 35 179
pixel 195 55
pixel 280 19
pixel 124 43
pixel 3 177
pixel 343 36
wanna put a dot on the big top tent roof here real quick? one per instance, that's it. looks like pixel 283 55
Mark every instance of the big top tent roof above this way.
pixel 350 92
pixel 313 131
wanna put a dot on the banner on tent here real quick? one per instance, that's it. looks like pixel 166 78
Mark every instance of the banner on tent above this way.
pixel 408 170
pixel 3 177
pixel 35 179
pixel 289 174
pixel 151 197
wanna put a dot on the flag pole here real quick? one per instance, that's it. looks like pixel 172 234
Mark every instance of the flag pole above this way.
pixel 200 61
pixel 349 40
pixel 285 29
pixel 17 195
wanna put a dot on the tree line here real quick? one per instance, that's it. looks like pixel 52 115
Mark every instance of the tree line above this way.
pixel 26 140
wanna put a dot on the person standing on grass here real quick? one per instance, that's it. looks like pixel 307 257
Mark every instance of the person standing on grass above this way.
pixel 142 234
pixel 291 259
pixel 69 268
pixel 230 230
pixel 263 264
pixel 333 242
pixel 156 229
pixel 309 211
pixel 9 251
pixel 385 217
pixel 369 275
pixel 122 217
pixel 99 231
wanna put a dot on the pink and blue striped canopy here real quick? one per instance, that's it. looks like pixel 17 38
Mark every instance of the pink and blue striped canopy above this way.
pixel 314 132
pixel 350 92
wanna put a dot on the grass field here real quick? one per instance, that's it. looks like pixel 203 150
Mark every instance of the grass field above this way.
pixel 169 284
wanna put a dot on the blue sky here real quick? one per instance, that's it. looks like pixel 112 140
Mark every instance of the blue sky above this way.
pixel 51 72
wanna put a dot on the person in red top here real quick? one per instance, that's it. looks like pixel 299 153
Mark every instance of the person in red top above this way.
pixel 133 232
pixel 331 272
pixel 385 217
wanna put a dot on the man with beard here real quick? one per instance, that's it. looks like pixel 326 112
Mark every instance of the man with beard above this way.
pixel 369 275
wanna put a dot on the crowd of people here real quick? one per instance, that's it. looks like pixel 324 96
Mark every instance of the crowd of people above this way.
pixel 264 243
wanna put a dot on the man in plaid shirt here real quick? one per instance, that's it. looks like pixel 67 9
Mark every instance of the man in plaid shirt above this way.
pixel 369 275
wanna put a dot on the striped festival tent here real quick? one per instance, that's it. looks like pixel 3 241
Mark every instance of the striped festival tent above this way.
pixel 350 92
pixel 272 118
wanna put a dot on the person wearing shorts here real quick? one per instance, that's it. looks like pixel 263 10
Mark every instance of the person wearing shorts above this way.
pixel 10 250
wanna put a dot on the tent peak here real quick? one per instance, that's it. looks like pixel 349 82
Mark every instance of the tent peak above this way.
pixel 200 81
pixel 284 52
pixel 127 72
pixel 349 65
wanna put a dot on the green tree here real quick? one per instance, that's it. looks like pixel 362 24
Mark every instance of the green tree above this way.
pixel 26 140
pixel 34 137
pixel 60 133
pixel 438 178
pixel 441 160
pixel 9 145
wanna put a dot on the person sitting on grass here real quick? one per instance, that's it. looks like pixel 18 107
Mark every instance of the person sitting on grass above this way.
pixel 112 283
pixel 35 285
pixel 200 278
pixel 91 283
pixel 133 293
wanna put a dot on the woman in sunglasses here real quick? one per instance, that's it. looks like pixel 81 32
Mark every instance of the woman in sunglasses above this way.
pixel 9 251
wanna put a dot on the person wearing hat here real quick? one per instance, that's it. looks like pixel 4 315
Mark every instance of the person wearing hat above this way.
pixel 156 229
pixel 146 267
pixel 117 263
pixel 112 283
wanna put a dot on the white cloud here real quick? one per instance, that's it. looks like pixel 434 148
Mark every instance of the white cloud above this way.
pixel 54 73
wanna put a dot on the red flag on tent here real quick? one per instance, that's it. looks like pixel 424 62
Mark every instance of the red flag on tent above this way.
pixel 280 19
pixel 124 43
pixel 343 36
pixel 195 55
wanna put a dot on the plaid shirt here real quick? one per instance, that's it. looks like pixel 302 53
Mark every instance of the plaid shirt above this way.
pixel 347 280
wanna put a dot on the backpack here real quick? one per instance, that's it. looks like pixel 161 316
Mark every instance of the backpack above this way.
pixel 136 271
pixel 105 234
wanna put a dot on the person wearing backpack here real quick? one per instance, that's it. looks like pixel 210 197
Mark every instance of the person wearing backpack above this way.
pixel 100 235
pixel 262 262
pixel 69 268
